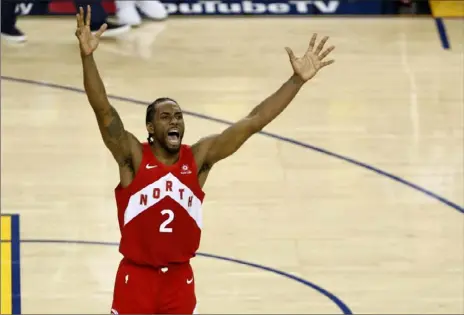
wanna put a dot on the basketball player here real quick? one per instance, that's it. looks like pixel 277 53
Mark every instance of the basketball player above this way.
pixel 159 196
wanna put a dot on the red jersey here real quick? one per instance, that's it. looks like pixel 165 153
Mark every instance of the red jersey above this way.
pixel 159 213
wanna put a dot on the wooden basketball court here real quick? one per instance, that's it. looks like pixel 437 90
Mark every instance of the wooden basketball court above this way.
pixel 350 202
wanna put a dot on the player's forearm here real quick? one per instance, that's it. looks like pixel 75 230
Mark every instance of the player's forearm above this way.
pixel 93 85
pixel 110 124
pixel 272 106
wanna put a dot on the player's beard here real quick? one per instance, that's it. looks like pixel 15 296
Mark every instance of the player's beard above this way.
pixel 169 149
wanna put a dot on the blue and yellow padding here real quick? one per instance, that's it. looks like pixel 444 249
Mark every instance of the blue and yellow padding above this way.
pixel 442 9
pixel 447 8
pixel 10 293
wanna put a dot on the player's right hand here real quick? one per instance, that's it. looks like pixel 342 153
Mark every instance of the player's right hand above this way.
pixel 88 42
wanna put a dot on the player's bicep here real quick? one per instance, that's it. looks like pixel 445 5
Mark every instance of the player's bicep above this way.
pixel 115 137
pixel 230 140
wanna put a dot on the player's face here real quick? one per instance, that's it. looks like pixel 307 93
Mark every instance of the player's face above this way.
pixel 169 126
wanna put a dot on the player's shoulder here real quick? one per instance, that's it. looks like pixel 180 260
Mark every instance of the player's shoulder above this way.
pixel 187 149
pixel 203 144
pixel 144 149
pixel 145 146
pixel 189 155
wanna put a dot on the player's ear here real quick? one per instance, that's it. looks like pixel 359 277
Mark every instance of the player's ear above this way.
pixel 150 128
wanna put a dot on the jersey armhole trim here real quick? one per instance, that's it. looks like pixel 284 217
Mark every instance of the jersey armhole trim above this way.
pixel 142 161
pixel 195 166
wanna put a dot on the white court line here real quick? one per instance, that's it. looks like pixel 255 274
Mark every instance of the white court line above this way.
pixel 413 108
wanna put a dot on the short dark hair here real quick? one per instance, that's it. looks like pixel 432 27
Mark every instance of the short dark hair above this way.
pixel 151 110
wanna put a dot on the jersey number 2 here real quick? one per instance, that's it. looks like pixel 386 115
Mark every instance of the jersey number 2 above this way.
pixel 163 226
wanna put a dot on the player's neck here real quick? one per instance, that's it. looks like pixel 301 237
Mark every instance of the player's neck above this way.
pixel 164 156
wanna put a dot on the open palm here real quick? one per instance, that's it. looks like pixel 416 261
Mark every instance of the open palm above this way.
pixel 88 42
pixel 307 66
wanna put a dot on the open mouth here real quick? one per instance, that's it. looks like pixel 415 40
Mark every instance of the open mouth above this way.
pixel 174 136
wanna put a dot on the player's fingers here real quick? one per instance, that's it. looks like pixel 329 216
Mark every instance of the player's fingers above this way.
pixel 87 19
pixel 326 63
pixel 80 20
pixel 326 52
pixel 321 45
pixel 290 53
pixel 101 30
pixel 312 42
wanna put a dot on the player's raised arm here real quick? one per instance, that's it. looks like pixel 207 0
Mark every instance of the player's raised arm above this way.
pixel 120 142
pixel 212 149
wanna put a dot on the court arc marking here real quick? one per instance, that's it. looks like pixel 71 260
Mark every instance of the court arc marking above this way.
pixel 275 136
pixel 339 303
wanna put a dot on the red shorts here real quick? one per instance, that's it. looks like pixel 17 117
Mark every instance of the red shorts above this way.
pixel 146 290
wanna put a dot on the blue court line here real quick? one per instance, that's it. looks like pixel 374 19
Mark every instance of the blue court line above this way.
pixel 340 304
pixel 15 264
pixel 442 33
pixel 275 136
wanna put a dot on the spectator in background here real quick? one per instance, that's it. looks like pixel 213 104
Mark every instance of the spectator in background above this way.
pixel 12 33
pixel 9 29
pixel 99 17
pixel 423 7
pixel 127 11
pixel 406 7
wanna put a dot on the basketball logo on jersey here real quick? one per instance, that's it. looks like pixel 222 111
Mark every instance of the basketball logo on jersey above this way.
pixel 185 170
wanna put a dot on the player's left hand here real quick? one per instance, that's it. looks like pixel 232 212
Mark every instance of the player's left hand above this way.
pixel 307 66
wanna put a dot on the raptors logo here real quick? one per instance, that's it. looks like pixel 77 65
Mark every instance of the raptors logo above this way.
pixel 185 170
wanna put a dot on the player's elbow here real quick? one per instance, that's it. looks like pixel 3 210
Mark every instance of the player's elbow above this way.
pixel 255 124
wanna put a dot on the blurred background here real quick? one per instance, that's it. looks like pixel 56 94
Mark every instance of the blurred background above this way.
pixel 350 202
pixel 131 12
